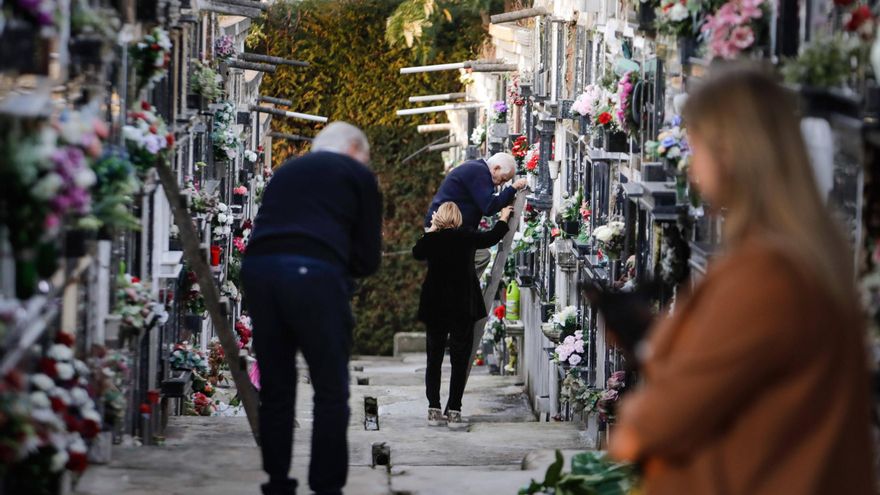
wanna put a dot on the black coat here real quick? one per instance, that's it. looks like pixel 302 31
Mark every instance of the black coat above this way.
pixel 451 291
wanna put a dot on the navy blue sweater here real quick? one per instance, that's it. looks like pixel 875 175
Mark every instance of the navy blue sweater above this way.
pixel 470 187
pixel 322 205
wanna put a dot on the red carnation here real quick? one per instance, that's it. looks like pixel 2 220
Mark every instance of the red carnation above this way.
pixel 58 405
pixel 77 462
pixel 65 339
pixel 170 139
pixel 145 106
pixel 90 429
pixel 135 280
pixel 500 311
pixel 554 232
pixel 15 380
pixel 73 424
pixel 153 129
pixel 47 366
pixel 604 118
pixel 858 17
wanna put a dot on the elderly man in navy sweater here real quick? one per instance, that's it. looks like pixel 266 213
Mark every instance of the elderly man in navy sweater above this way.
pixel 319 226
pixel 471 186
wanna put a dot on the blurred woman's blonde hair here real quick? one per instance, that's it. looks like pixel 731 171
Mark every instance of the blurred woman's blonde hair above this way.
pixel 447 216
pixel 750 124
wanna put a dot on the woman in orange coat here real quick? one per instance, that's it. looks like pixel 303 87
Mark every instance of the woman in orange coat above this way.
pixel 758 384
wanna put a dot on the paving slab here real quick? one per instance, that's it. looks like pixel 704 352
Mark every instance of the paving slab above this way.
pixel 217 455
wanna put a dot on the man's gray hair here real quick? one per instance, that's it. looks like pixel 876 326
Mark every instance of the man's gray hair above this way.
pixel 504 160
pixel 340 137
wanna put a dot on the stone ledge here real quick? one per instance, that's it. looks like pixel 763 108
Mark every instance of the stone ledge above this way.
pixel 409 342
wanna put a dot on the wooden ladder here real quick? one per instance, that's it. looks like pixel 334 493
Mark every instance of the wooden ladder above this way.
pixel 497 272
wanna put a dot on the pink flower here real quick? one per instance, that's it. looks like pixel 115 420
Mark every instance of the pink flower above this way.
pixel 742 37
pixel 240 190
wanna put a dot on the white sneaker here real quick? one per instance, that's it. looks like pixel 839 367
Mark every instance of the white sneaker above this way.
pixel 435 417
pixel 455 422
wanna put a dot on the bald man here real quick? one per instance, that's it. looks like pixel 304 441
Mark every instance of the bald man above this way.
pixel 472 187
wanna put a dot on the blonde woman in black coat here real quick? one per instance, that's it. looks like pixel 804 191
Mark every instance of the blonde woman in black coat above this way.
pixel 451 302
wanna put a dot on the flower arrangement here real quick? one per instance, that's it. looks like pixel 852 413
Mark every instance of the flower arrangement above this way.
pixel 678 17
pixel 61 417
pixel 861 21
pixel 115 183
pixel 671 142
pixel 519 149
pixel 571 350
pixel 478 136
pixel 527 241
pixel 193 300
pixel 251 156
pixel 245 330
pixel 240 190
pixel 185 357
pixel 466 76
pixel 222 220
pixel 225 135
pixel 201 203
pixel 606 401
pixel 229 290
pixel 623 110
pixel 136 306
pixel 205 82
pixel 500 109
pixel 593 97
pixel 571 207
pixel 610 238
pixel 514 92
pixel 224 47
pixel 40 12
pixel 151 57
pixel 146 136
pixel 732 29
pixel 216 362
pixel 532 159
pixel 566 320
pixel 822 63
pixel 203 404
pixel 111 374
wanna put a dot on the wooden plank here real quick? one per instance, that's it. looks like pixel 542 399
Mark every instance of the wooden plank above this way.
pixel 193 255
pixel 238 64
pixel 497 272
pixel 226 9
pixel 518 15
pixel 275 101
pixel 289 137
pixel 246 3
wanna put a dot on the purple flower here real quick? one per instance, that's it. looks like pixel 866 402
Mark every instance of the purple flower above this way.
pixel 617 380
pixel 500 107
pixel 668 142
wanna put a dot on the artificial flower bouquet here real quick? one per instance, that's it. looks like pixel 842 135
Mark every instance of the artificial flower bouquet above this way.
pixel 532 159
pixel 671 143
pixel 136 306
pixel 610 238
pixel 205 81
pixel 500 111
pixel 193 300
pixel 514 92
pixel 572 348
pixel 222 220
pixel 623 111
pixel 151 57
pixel 736 27
pixel 146 136
pixel 200 202
pixel 224 47
pixel 478 136
pixel 244 330
pixel 116 183
pixel 240 190
pixel 606 401
pixel 185 357
pixel 227 139
pixel 566 321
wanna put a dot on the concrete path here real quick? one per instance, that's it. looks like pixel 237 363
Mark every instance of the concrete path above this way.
pixel 217 455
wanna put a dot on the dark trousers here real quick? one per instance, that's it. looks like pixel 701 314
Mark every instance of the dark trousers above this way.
pixel 299 303
pixel 460 336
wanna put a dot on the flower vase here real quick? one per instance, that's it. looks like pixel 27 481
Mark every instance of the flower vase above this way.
pixel 598 138
pixel 571 227
pixel 583 125
pixel 238 199
pixel 681 189
pixel 215 255
pixel 25 275
pixel 616 142
pixel 687 49
pixel 552 332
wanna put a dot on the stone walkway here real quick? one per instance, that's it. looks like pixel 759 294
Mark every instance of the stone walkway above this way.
pixel 217 455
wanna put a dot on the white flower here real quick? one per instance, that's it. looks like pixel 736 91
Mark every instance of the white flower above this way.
pixel 81 368
pixel 39 400
pixel 221 218
pixel 79 396
pixel 59 460
pixel 221 207
pixel 42 382
pixel 673 152
pixel 85 178
pixel 91 414
pixel 603 233
pixel 47 187
pixel 678 12
pixel 517 236
pixel 155 143
pixel 195 287
pixel 62 394
pixel 250 156
pixel 65 371
pixel 569 340
pixel 60 352
pixel 574 359
pixel 78 446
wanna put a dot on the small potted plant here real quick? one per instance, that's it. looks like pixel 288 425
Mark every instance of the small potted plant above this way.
pixel 239 194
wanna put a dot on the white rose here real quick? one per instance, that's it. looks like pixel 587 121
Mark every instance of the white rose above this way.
pixel 91 414
pixel 195 287
pixel 517 237
pixel 62 394
pixel 65 371
pixel 42 382
pixel 60 352
pixel 221 218
pixel 39 400
pixel 81 368
pixel 674 152
pixel 221 207
pixel 603 234
pixel 79 396
pixel 47 187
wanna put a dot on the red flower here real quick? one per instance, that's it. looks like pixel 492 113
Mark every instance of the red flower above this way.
pixel 58 405
pixel 65 339
pixel 145 107
pixel 77 462
pixel 554 232
pixel 135 280
pixel 153 129
pixel 604 118
pixel 155 46
pixel 500 311
pixel 73 424
pixel 90 429
pixel 47 366
pixel 858 17
pixel 15 380
pixel 170 139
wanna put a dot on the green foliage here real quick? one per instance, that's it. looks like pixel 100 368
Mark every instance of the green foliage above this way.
pixel 424 25
pixel 824 63
pixel 592 474
pixel 354 77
